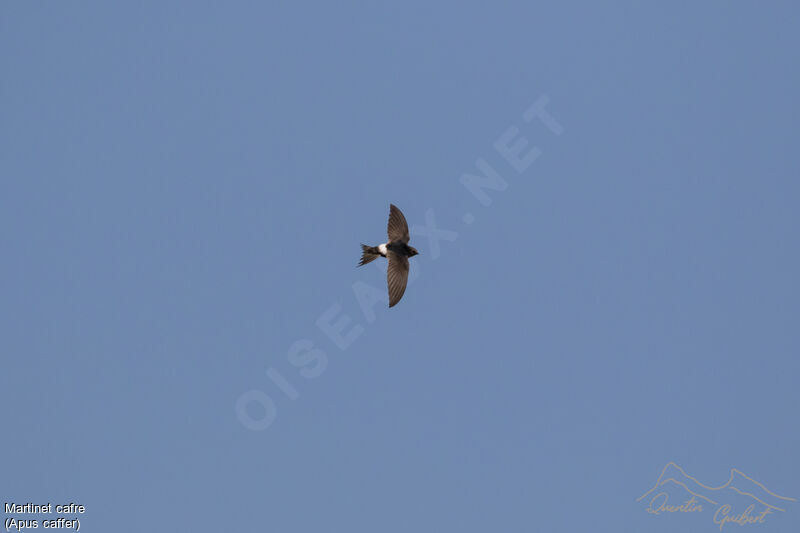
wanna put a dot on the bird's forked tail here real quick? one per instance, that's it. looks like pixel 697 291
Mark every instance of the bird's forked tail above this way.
pixel 368 253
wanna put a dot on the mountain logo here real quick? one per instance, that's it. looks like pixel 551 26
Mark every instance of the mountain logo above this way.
pixel 741 500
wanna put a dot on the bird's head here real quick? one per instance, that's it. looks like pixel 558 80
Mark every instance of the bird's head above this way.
pixel 413 251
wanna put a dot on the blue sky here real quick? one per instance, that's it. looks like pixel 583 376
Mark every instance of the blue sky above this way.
pixel 184 190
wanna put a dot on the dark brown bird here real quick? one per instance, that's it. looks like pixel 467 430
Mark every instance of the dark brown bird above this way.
pixel 397 251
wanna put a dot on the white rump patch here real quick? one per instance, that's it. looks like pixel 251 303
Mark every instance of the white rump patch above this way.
pixel 382 249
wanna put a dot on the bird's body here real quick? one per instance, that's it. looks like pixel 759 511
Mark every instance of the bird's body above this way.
pixel 397 251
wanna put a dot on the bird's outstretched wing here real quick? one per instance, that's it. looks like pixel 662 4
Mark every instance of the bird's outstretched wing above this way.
pixel 396 276
pixel 398 228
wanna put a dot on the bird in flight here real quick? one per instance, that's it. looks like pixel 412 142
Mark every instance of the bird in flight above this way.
pixel 396 251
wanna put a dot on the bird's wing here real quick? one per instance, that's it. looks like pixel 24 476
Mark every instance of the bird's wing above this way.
pixel 398 228
pixel 396 276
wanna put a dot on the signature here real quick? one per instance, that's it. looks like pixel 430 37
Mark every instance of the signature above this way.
pixel 699 496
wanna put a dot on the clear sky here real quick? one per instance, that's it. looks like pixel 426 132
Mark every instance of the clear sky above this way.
pixel 184 189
